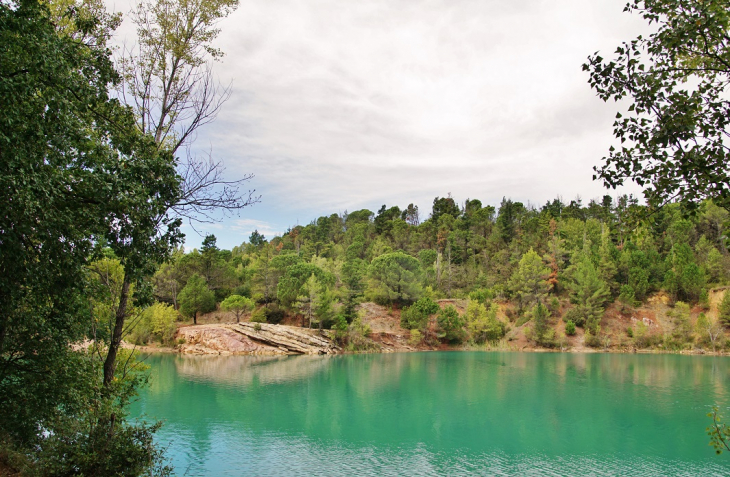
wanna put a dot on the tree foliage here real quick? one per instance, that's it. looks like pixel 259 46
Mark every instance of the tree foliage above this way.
pixel 196 298
pixel 589 293
pixel 673 138
pixel 74 172
pixel 528 283
pixel 395 278
pixel 450 325
pixel 238 305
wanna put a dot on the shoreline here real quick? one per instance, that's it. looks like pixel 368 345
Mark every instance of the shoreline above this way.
pixel 217 351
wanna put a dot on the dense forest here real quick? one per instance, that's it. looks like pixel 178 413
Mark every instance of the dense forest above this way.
pixel 560 260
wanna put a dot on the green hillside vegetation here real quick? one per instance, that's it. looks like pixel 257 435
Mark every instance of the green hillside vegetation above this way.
pixel 544 265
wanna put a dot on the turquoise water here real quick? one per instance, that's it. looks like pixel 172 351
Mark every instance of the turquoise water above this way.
pixel 460 413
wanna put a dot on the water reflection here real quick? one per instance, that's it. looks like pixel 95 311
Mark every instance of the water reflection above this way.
pixel 242 371
pixel 430 410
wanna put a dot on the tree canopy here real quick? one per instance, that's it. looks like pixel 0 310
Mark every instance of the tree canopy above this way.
pixel 673 136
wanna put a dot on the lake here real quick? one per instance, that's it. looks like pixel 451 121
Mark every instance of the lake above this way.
pixel 439 413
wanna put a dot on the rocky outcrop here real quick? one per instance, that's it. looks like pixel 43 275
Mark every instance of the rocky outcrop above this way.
pixel 288 338
pixel 253 339
pixel 218 339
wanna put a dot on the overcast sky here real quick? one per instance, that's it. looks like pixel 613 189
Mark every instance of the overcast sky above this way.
pixel 342 105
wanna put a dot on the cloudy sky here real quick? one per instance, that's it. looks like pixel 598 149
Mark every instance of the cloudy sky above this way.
pixel 342 105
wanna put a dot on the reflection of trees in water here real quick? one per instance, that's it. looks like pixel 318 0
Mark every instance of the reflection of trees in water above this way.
pixel 244 370
pixel 512 402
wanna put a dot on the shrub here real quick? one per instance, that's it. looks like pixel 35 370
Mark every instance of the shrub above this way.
pixel 259 316
pixel 682 332
pixel 570 328
pixel 524 318
pixel 274 315
pixel 630 332
pixel 357 336
pixel 482 295
pixel 156 322
pixel 484 324
pixel 724 309
pixel 592 340
pixel 451 325
pixel 554 306
pixel 542 333
pixel 416 338
pixel 627 296
pixel 417 315
pixel 574 314
pixel 704 300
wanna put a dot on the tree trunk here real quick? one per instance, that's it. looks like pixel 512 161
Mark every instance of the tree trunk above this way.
pixel 195 317
pixel 110 363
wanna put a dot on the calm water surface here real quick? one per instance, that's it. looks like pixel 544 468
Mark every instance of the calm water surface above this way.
pixel 458 413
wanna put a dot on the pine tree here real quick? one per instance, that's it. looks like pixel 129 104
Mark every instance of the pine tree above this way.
pixel 588 292
pixel 528 283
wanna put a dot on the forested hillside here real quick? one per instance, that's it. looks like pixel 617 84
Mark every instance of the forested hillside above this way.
pixel 542 264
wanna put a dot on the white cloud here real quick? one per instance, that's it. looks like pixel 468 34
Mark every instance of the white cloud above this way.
pixel 343 105
pixel 338 104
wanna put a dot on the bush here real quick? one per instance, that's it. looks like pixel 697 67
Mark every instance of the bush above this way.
pixel 554 306
pixel 416 316
pixel 592 340
pixel 574 314
pixel 682 332
pixel 451 325
pixel 643 338
pixel 627 296
pixel 524 318
pixel 274 315
pixel 416 338
pixel 570 328
pixel 156 322
pixel 541 332
pixel 357 336
pixel 259 316
pixel 630 332
pixel 704 300
pixel 482 295
pixel 484 324
pixel 724 309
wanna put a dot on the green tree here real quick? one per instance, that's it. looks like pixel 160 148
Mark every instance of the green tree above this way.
pixel 76 173
pixel 589 293
pixel 353 273
pixel 395 277
pixel 723 310
pixel 308 295
pixel 450 325
pixel 238 305
pixel 709 329
pixel 196 298
pixel 684 278
pixel 682 332
pixel 155 322
pixel 444 206
pixel 483 323
pixel 541 331
pixel 528 283
pixel 416 316
pixel 168 78
pixel 291 284
pixel 673 137
pixel 256 239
